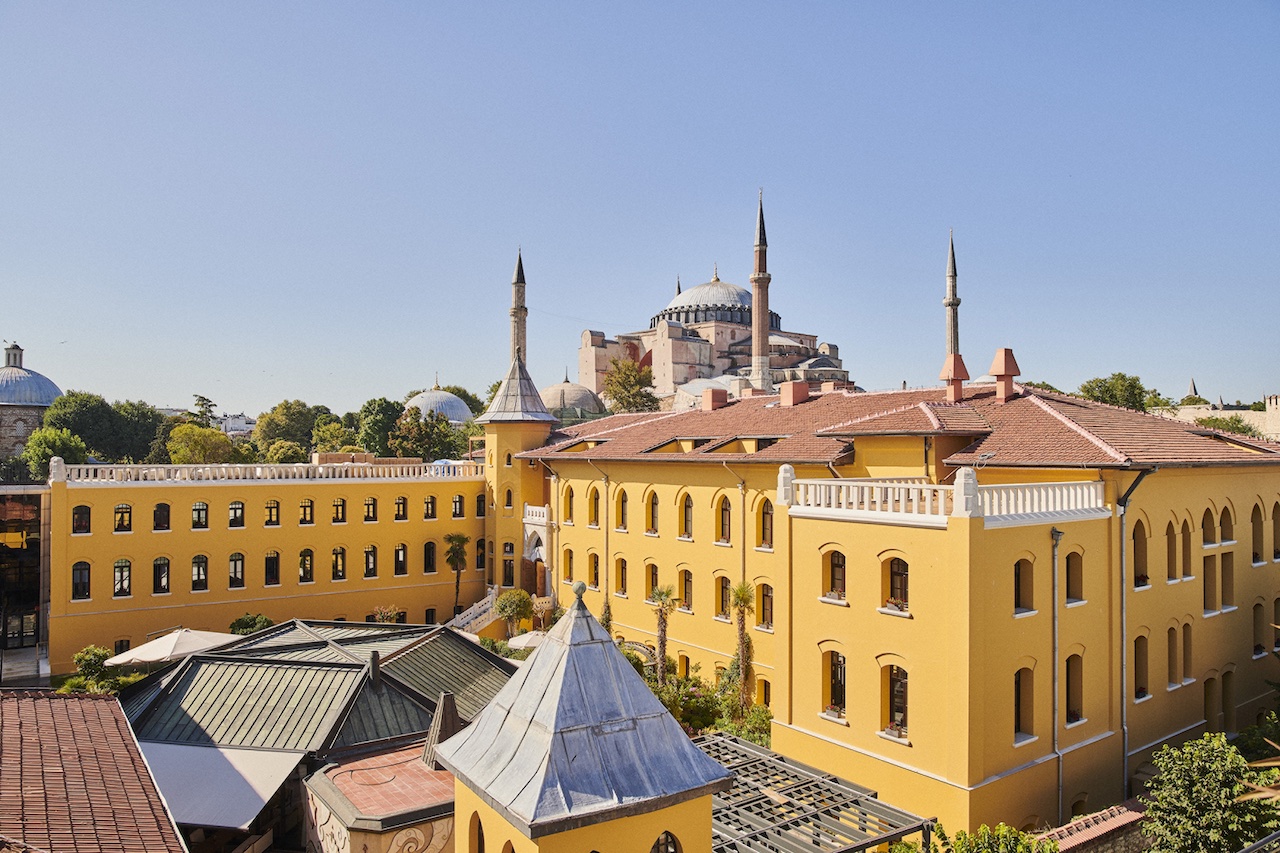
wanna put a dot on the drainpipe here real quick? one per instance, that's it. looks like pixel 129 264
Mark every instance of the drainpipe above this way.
pixel 1057 687
pixel 742 499
pixel 1123 505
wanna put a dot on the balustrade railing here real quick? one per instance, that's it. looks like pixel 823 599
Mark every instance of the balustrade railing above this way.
pixel 300 471
pixel 535 514
pixel 1033 498
pixel 875 496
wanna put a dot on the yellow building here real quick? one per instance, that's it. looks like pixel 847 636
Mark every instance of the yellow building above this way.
pixel 137 550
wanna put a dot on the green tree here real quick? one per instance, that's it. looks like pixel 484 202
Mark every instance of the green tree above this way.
pixel 290 420
pixel 14 470
pixel 250 623
pixel 48 442
pixel 1232 423
pixel 286 453
pixel 1118 389
pixel 1194 804
pixel 455 555
pixel 90 417
pixel 201 413
pixel 91 662
pixel 742 601
pixel 190 444
pixel 430 437
pixel 1193 400
pixel 491 392
pixel 629 387
pixel 136 425
pixel 386 613
pixel 1002 839
pixel 331 437
pixel 473 402
pixel 1044 386
pixel 158 454
pixel 514 605
pixel 377 420
pixel 664 603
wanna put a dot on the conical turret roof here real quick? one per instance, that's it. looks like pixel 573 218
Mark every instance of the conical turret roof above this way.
pixel 576 738
pixel 517 399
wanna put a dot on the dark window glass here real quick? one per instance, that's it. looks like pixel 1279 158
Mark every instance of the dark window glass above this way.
pixel 339 510
pixel 307 512
pixel 724 597
pixel 480 504
pixel 459 507
pixel 402 508
pixel 837 575
pixel 306 566
pixel 123 518
pixel 339 564
pixel 836 682
pixel 428 509
pixel 122 646
pixel 271 569
pixel 370 509
pixel 430 618
pixel 200 516
pixel 766 525
pixel 480 554
pixel 371 561
pixel 766 606
pixel 160 575
pixel 235 514
pixel 622 576
pixel 429 557
pixel 898 579
pixel 273 514
pixel 508 572
pixel 726 520
pixel 199 573
pixel 235 569
pixel 80 519
pixel 122 577
pixel 160 517
pixel 402 559
pixel 653 513
pixel 686 529
pixel 898 700
pixel 80 581
pixel 622 511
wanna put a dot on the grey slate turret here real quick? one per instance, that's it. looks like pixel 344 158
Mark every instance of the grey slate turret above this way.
pixel 517 399
pixel 577 738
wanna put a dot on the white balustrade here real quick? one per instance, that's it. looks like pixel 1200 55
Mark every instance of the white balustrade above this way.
pixel 300 471
pixel 536 515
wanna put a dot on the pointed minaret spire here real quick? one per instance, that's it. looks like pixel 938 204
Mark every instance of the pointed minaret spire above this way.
pixel 952 302
pixel 1191 389
pixel 677 285
pixel 519 312
pixel 715 272
pixel 761 375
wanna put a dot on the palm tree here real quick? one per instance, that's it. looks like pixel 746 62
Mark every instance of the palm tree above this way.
pixel 456 556
pixel 664 601
pixel 742 600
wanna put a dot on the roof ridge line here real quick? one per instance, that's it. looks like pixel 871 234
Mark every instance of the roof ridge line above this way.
pixel 878 414
pixel 1071 424
pixel 928 412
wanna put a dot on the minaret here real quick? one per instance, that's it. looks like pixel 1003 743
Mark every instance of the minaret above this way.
pixel 518 311
pixel 952 302
pixel 954 372
pixel 761 376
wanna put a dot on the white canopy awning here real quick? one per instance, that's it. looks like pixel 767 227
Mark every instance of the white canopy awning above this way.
pixel 216 786
pixel 173 646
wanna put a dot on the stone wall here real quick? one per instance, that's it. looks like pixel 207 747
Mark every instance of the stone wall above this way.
pixel 16 424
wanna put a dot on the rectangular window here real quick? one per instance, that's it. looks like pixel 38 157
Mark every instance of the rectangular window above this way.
pixel 339 511
pixel 480 555
pixel 622 576
pixel 459 506
pixel 200 516
pixel 508 572
pixel 122 646
pixel 123 518
pixel 593 571
pixel 480 500
pixel 80 519
pixel 428 509
pixel 271 569
pixel 80 581
pixel 160 517
pixel 160 576
pixel 339 564
pixel 429 557
pixel 402 508
pixel 306 566
pixel 273 514
pixel 835 702
pixel 235 514
pixel 307 512
pixel 371 561
pixel 653 581
pixel 766 606
pixel 402 559
pixel 370 509
pixel 122 577
pixel 235 570
pixel 897 701
pixel 199 573
pixel 430 618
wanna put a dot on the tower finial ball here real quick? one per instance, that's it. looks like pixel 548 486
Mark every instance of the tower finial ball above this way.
pixel 579 588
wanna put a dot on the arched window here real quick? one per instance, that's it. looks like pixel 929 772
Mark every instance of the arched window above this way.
pixel 160 576
pixel 723 588
pixel 477 835
pixel 1140 657
pixel 271 569
pixel 402 508
pixel 1256 531
pixel 622 509
pixel 509 564
pixel 160 517
pixel 593 576
pixel 235 514
pixel 835 692
pixel 1259 629
pixel 371 561
pixel 651 571
pixel 1024 705
pixel 306 511
pixel 726 521
pixel 1171 552
pixel 686 590
pixel 306 566
pixel 199 516
pixel 896 702
pixel 568 504
pixel 1024 598
pixel 1140 576
pixel 235 570
pixel 459 507
pixel 339 564
pixel 1075 689
pixel 272 518
pixel 123 518
pixel 835 576
pixel 593 508
pixel 339 510
pixel 480 501
pixel 80 517
pixel 480 555
pixel 1075 577
pixel 508 460
pixel 766 524
pixel 1187 659
pixel 400 560
pixel 764 608
pixel 428 558
pixel 620 570
pixel 897 584
pixel 371 509
pixel 686 519
pixel 199 573
pixel 122 579
pixel 568 565
pixel 1206 528
pixel 666 843
pixel 1227 527
pixel 651 523
pixel 80 581
pixel 428 508
pixel 1175 670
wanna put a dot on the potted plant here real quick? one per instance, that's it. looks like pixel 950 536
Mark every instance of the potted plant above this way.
pixel 834 711
pixel 898 604
pixel 837 594
pixel 897 730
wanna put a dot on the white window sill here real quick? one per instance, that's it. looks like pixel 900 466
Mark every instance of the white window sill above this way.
pixel 1138 700
pixel 765 549
pixel 833 718
pixel 1188 578
pixel 1258 564
pixel 1259 655
pixel 122 531
pixel 199 592
pixel 889 611
pixel 122 597
pixel 591 526
pixel 1023 613
pixel 306 524
pixel 893 738
pixel 719 543
pixel 722 618
pixel 235 527
pixel 371 521
pixel 338 523
pixel 1172 581
pixel 1141 587
pixel 652 533
pixel 1228 542
pixel 199 530
pixel 684 610
pixel 1076 602
pixel 1079 722
pixel 165 530
pixel 766 629
pixel 1209 614
pixel 160 594
pixel 81 600
pixel 90 533
pixel 650 601
pixel 305 583
pixel 567 522
pixel 1171 686
pixel 369 577
pixel 1187 681
pixel 620 595
pixel 684 538
pixel 593 587
pixel 339 580
pixel 1022 739
pixel 839 602
pixel 1206 546
pixel 1230 608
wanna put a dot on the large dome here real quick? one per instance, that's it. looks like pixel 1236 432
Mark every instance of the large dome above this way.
pixel 571 395
pixel 22 387
pixel 713 294
pixel 442 403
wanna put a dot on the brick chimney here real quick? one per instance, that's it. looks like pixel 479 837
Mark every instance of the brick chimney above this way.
pixel 1004 368
pixel 954 374
pixel 793 393
pixel 714 398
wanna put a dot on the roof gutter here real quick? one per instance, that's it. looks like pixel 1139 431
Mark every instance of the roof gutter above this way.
pixel 1122 505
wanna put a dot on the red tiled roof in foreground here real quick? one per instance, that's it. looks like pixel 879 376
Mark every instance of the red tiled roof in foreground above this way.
pixel 389 783
pixel 73 780
pixel 1091 827
pixel 1033 429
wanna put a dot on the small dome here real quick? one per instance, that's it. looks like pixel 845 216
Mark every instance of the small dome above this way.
pixel 713 294
pixel 571 395
pixel 443 403
pixel 22 387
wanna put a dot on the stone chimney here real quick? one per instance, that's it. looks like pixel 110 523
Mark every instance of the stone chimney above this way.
pixel 1004 368
pixel 714 398
pixel 793 393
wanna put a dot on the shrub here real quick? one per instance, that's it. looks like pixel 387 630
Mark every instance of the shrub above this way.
pixel 250 623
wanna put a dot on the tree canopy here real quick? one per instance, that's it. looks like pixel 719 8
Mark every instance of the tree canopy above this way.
pixel 250 623
pixel 1121 389
pixel 190 444
pixel 377 420
pixel 332 436
pixel 290 420
pixel 286 452
pixel 431 437
pixel 1229 423
pixel 474 403
pixel 48 442
pixel 629 387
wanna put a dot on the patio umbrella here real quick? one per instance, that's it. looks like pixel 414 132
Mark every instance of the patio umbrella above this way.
pixel 527 641
pixel 174 646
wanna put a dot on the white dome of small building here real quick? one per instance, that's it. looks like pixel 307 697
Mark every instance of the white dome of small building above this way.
pixel 24 395
pixel 441 402
pixel 566 395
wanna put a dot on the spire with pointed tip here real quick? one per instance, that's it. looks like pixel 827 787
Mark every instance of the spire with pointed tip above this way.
pixel 677 285
pixel 715 272
pixel 952 302
pixel 761 242
pixel 519 313
pixel 1191 389
pixel 761 373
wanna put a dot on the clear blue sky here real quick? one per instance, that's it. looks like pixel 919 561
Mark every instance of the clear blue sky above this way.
pixel 259 201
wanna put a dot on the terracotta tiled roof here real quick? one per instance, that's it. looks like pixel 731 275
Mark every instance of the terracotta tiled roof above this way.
pixel 391 782
pixel 1091 827
pixel 73 778
pixel 1033 429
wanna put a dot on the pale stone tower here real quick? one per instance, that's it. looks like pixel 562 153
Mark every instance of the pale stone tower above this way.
pixel 954 372
pixel 518 311
pixel 761 377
